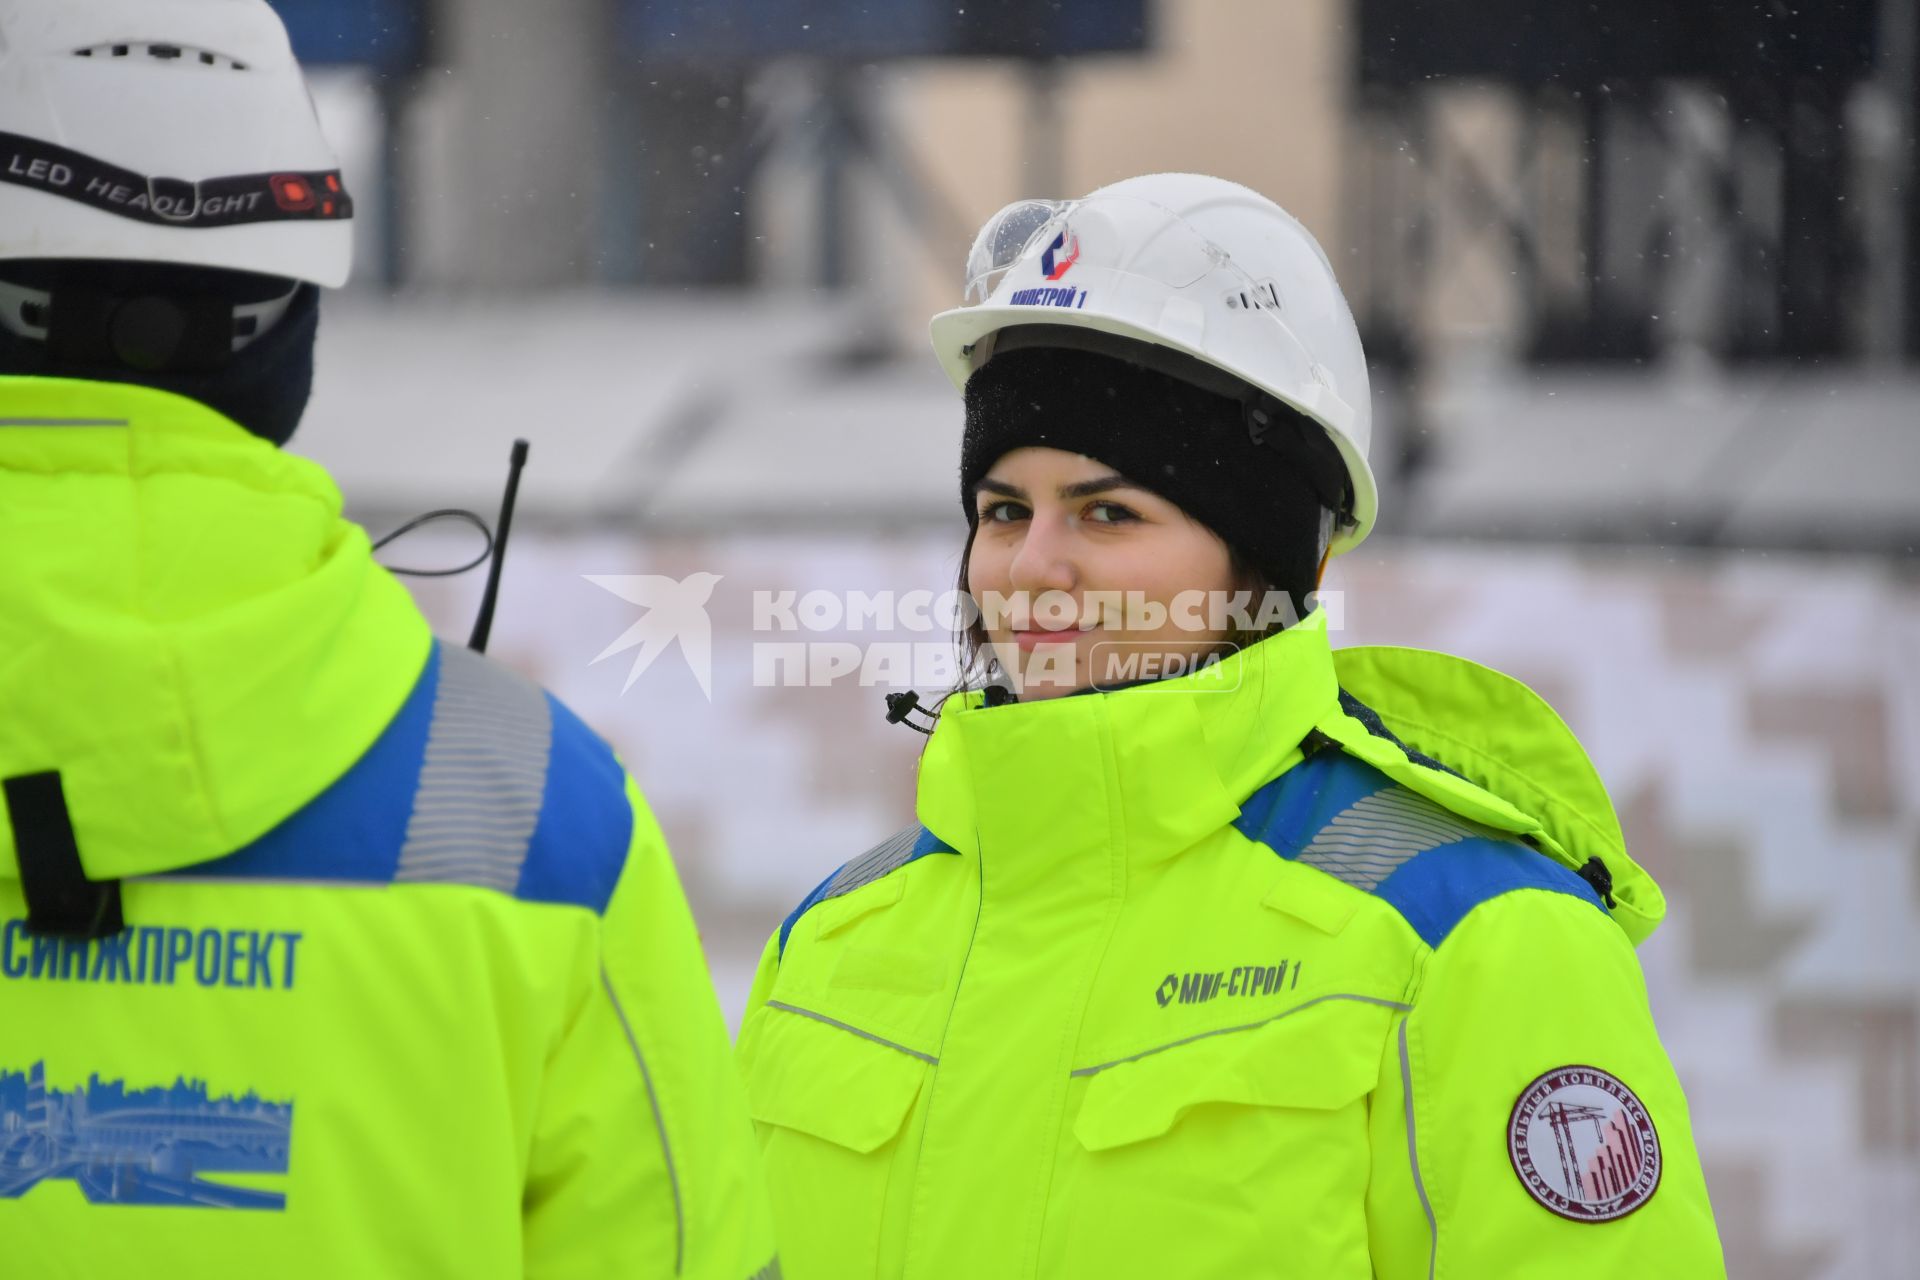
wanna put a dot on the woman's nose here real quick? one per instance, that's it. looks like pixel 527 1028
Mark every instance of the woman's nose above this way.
pixel 1044 561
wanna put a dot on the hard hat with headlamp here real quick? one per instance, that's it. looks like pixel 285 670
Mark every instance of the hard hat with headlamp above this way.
pixel 166 195
pixel 165 131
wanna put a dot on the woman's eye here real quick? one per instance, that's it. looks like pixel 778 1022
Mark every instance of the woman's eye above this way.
pixel 1003 512
pixel 1109 513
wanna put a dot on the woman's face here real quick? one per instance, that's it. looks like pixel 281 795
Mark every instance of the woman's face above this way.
pixel 1078 572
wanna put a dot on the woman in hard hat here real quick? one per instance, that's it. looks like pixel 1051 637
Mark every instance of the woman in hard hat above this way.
pixel 1290 963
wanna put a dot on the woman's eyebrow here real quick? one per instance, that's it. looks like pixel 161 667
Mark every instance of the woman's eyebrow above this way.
pixel 1099 484
pixel 1067 492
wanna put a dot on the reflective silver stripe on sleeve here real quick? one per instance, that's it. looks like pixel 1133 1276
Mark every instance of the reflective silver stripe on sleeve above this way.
pixel 1413 1156
pixel 889 855
pixel 1368 841
pixel 659 1123
pixel 483 779
pixel 63 422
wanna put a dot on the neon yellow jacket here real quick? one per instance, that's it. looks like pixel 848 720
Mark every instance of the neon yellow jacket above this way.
pixel 408 986
pixel 1218 977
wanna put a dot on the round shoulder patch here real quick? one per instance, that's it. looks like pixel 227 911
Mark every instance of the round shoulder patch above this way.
pixel 1583 1145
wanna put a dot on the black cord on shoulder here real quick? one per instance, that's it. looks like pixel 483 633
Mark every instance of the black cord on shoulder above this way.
pixel 444 513
pixel 492 556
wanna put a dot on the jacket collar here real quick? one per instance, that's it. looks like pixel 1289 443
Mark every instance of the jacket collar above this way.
pixel 1147 770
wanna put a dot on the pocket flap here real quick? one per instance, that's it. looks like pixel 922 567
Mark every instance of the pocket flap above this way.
pixel 1321 1056
pixel 833 1083
pixel 836 913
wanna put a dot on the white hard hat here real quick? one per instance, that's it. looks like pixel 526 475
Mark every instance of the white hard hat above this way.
pixel 173 131
pixel 1200 265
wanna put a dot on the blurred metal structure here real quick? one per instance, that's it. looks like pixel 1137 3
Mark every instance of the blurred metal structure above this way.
pixel 1654 175
pixel 695 105
pixel 616 141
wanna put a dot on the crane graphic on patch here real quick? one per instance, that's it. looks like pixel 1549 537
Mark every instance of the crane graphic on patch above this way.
pixel 1583 1145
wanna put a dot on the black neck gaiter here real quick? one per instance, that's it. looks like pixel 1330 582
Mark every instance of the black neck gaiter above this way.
pixel 264 386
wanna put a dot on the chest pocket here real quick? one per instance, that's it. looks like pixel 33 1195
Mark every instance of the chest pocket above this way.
pixel 1253 1142
pixel 829 1104
pixel 1321 1058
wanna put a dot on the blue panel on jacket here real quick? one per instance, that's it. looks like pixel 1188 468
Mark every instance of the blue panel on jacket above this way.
pixel 1436 890
pixel 1349 820
pixel 357 829
pixel 1285 813
pixel 586 822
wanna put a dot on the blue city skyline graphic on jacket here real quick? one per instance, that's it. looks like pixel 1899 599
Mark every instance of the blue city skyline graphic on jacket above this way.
pixel 140 1146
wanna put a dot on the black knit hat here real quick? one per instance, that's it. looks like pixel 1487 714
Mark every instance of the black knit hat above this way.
pixel 1255 471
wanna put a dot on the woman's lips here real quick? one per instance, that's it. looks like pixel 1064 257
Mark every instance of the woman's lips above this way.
pixel 1029 640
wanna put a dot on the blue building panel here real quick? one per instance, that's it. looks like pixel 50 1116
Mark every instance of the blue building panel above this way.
pixel 753 30
pixel 389 35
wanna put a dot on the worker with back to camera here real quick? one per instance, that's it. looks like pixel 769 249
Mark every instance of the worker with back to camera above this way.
pixel 1294 963
pixel 326 949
